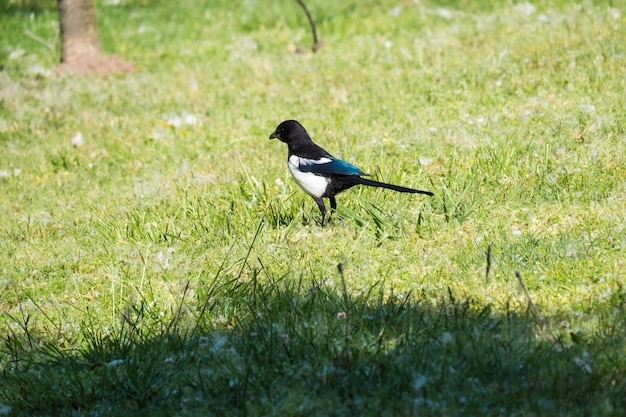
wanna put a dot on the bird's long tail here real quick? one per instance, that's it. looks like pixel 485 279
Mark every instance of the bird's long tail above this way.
pixel 372 183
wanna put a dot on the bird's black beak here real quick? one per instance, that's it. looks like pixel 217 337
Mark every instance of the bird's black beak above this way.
pixel 274 135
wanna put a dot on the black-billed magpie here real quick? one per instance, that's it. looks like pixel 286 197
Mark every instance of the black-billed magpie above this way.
pixel 320 174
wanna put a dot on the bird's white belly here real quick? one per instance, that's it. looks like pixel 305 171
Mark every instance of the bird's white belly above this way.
pixel 314 185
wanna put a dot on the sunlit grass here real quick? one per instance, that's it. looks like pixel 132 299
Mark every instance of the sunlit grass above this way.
pixel 167 263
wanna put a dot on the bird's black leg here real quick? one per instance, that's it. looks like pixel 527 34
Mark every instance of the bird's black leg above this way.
pixel 322 207
pixel 333 204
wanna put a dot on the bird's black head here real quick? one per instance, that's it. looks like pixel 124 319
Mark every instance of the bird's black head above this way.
pixel 288 131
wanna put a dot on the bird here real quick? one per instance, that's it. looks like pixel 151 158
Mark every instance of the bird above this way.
pixel 320 174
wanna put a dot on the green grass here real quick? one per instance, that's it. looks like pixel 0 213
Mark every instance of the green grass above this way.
pixel 178 270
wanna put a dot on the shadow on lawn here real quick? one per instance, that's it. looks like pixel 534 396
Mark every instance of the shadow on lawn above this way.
pixel 289 348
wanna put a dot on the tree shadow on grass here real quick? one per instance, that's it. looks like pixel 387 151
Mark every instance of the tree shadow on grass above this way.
pixel 286 347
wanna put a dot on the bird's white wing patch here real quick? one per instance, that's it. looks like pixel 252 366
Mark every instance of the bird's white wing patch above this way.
pixel 314 185
pixel 305 161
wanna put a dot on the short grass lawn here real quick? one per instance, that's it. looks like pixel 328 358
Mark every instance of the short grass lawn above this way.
pixel 156 257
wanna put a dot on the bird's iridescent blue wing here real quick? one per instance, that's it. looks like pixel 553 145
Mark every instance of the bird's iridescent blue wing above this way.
pixel 329 166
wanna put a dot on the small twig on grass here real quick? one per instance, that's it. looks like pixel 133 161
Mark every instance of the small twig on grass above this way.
pixel 317 44
pixel 544 323
pixel 49 45
pixel 488 263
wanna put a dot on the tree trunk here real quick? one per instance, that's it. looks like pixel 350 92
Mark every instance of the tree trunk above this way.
pixel 80 43
pixel 79 31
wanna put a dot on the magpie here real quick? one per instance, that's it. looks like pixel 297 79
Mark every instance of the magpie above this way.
pixel 319 173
